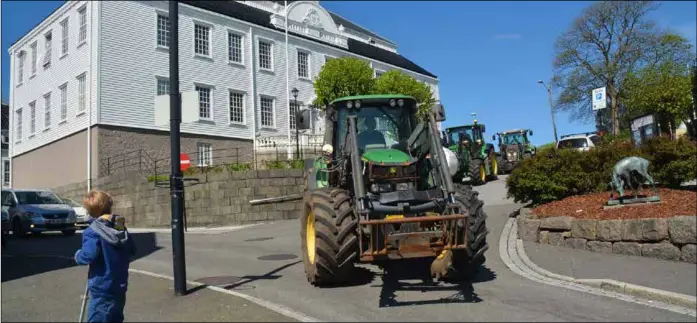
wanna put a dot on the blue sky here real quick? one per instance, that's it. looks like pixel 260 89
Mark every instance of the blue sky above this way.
pixel 487 55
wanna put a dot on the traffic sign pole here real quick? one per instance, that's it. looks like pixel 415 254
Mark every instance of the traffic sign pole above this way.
pixel 175 179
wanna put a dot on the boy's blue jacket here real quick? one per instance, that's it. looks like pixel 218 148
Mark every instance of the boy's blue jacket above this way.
pixel 107 248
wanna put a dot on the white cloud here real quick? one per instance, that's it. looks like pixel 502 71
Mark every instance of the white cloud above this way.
pixel 508 36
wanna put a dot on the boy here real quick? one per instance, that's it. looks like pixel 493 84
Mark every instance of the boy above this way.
pixel 106 248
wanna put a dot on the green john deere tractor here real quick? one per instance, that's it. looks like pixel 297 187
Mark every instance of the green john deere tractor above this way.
pixel 477 159
pixel 514 146
pixel 381 190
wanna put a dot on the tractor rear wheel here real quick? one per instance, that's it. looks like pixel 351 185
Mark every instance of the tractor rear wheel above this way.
pixel 477 172
pixel 467 262
pixel 328 236
pixel 494 166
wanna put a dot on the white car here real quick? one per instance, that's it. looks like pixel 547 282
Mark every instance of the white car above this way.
pixel 580 142
pixel 80 211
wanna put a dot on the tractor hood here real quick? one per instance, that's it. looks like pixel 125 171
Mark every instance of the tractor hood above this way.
pixel 386 156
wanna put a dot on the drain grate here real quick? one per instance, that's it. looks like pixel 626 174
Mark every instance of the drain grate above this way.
pixel 258 239
pixel 219 280
pixel 281 256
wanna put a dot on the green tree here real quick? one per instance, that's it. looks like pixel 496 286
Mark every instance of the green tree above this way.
pixel 396 82
pixel 607 42
pixel 342 77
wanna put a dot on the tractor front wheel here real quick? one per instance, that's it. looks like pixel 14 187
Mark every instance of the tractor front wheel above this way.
pixel 494 166
pixel 477 172
pixel 328 236
pixel 467 262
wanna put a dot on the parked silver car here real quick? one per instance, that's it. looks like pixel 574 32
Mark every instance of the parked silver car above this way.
pixel 80 211
pixel 36 211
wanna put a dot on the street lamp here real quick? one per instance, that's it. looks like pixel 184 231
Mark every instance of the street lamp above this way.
pixel 551 109
pixel 295 92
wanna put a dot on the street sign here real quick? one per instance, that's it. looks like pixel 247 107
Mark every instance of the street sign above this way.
pixel 185 162
pixel 599 99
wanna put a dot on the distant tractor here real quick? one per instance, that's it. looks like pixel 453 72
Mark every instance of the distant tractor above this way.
pixel 514 146
pixel 382 190
pixel 477 159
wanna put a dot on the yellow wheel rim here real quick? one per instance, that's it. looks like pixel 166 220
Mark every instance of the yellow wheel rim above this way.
pixel 495 166
pixel 310 237
pixel 482 173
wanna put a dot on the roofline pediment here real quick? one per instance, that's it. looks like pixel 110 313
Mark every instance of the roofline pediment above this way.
pixel 309 19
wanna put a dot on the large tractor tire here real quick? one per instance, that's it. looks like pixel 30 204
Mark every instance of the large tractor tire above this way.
pixel 477 172
pixel 467 262
pixel 500 163
pixel 329 237
pixel 493 166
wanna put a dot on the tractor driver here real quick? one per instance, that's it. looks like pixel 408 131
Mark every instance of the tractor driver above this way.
pixel 370 136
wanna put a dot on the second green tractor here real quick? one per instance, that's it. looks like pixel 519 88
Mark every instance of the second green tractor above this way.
pixel 477 158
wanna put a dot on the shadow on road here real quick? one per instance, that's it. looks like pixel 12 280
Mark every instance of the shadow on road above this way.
pixel 52 251
pixel 395 278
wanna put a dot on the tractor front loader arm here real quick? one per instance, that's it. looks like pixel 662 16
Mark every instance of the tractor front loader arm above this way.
pixel 356 172
pixel 439 158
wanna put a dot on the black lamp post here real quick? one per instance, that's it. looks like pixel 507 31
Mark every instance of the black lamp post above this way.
pixel 295 92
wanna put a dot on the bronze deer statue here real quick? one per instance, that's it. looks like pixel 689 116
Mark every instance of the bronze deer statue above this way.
pixel 623 171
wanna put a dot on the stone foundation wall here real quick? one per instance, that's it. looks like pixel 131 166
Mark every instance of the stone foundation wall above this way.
pixel 663 238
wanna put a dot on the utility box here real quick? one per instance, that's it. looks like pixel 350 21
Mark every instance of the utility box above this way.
pixel 643 128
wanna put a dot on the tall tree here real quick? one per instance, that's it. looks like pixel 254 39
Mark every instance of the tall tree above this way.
pixel 342 77
pixel 396 82
pixel 609 40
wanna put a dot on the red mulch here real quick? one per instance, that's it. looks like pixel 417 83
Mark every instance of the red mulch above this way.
pixel 590 206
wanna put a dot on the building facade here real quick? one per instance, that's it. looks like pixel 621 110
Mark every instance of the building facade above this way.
pixel 84 81
pixel 6 172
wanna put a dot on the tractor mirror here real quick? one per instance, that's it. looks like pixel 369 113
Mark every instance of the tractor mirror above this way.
pixel 483 130
pixel 439 112
pixel 303 118
pixel 530 131
pixel 493 137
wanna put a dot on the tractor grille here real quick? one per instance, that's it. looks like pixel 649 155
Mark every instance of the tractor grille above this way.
pixel 392 172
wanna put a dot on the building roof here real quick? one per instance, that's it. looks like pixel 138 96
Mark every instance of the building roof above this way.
pixel 260 17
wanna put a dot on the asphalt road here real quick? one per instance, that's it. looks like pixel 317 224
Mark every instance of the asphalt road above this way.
pixel 264 261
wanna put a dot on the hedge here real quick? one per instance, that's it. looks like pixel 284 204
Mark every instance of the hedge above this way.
pixel 558 173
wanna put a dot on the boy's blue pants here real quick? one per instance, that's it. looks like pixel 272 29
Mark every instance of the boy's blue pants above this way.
pixel 106 308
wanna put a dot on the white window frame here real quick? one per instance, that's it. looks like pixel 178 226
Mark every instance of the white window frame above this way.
pixel 48 48
pixel 209 26
pixel 63 89
pixel 65 37
pixel 204 153
pixel 241 35
pixel 34 58
pixel 32 118
pixel 244 107
pixel 18 125
pixel 211 104
pixel 376 71
pixel 82 29
pixel 22 55
pixel 166 31
pixel 159 79
pixel 81 93
pixel 273 111
pixel 6 172
pixel 47 110
pixel 308 67
pixel 272 45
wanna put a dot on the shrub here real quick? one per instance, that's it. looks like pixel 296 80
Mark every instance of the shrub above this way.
pixel 555 174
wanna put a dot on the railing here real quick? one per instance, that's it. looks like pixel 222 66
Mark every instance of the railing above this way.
pixel 136 160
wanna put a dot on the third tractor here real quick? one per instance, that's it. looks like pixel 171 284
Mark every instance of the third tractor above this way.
pixel 514 146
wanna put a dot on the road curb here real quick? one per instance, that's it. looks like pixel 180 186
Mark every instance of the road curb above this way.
pixel 651 294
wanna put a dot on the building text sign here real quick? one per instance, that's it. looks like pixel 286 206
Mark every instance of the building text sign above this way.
pixel 599 99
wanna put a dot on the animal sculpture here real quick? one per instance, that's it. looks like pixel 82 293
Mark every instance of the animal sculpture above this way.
pixel 623 171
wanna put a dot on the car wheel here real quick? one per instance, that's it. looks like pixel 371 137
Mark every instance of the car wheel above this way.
pixel 17 230
pixel 68 232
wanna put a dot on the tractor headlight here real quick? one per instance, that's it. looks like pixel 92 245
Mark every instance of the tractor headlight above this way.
pixel 349 104
pixel 479 141
pixel 392 103
pixel 403 186
pixel 380 188
pixel 400 103
pixel 358 104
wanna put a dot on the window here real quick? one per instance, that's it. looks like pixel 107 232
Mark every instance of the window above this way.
pixel 162 86
pixel 82 89
pixel 294 107
pixel 65 34
pixel 236 107
pixel 163 27
pixel 378 73
pixel 202 40
pixel 82 35
pixel 34 55
pixel 47 49
pixel 47 110
pixel 204 101
pixel 6 172
pixel 18 116
pixel 265 59
pixel 267 118
pixel 303 65
pixel 32 118
pixel 204 154
pixel 20 70
pixel 234 47
pixel 64 101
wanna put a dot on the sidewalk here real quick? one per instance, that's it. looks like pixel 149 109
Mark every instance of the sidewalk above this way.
pixel 55 296
pixel 678 277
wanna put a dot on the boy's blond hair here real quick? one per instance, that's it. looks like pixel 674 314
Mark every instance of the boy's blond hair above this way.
pixel 98 203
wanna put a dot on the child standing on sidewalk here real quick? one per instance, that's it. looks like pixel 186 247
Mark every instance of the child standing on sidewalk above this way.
pixel 107 249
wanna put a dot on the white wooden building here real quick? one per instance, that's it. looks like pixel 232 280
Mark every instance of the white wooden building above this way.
pixel 99 65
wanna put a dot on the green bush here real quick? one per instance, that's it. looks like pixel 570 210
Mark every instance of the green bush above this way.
pixel 555 174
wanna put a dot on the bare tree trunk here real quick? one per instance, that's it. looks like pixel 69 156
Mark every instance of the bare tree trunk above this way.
pixel 615 116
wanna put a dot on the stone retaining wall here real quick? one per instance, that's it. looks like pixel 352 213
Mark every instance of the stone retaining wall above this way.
pixel 215 199
pixel 663 238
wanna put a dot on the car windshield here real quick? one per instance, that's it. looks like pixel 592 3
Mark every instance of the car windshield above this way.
pixel 573 143
pixel 513 138
pixel 455 134
pixel 379 127
pixel 71 202
pixel 37 197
